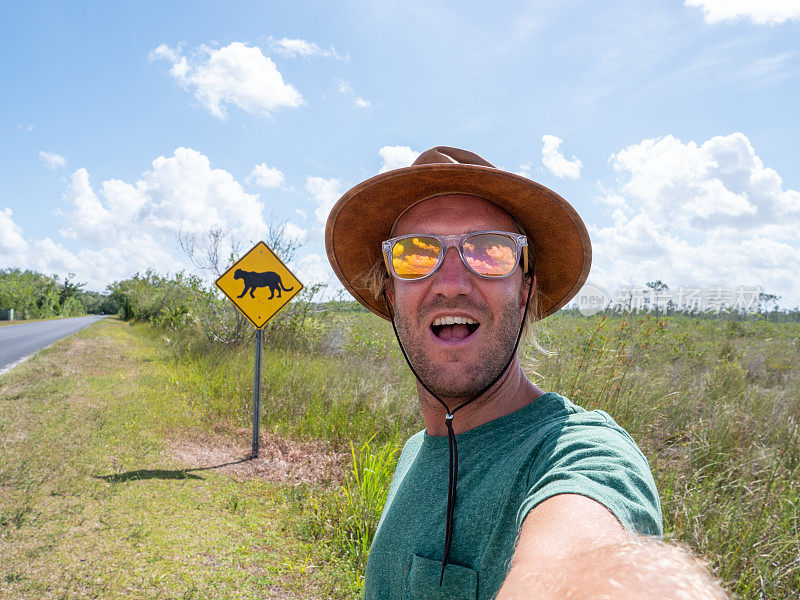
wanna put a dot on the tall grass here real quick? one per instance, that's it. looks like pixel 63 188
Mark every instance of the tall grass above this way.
pixel 714 405
pixel 365 489
pixel 346 517
pixel 325 381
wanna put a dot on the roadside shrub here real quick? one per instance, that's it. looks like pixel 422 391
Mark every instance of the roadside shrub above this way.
pixel 165 301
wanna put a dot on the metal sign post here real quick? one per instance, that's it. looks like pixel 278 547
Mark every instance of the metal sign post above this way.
pixel 246 283
pixel 257 392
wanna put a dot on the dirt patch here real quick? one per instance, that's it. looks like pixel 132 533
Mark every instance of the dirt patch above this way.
pixel 280 459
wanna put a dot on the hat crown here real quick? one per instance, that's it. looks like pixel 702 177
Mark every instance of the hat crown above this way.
pixel 448 155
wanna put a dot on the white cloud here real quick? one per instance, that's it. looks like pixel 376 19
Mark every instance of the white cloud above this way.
pixel 396 157
pixel 123 227
pixel 315 268
pixel 180 193
pixel 95 267
pixel 769 68
pixel 294 233
pixel 298 47
pixel 142 220
pixel 11 241
pixel 325 192
pixel 52 160
pixel 554 160
pixel 99 267
pixel 268 177
pixel 760 12
pixel 526 170
pixel 237 75
pixel 347 89
pixel 172 55
pixel 90 219
pixel 294 47
pixel 699 214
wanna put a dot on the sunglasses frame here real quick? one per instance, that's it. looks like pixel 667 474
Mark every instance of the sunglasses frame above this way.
pixel 457 241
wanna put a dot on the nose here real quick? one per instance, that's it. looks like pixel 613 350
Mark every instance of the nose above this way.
pixel 452 278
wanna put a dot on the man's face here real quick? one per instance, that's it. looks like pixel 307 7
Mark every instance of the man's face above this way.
pixel 457 361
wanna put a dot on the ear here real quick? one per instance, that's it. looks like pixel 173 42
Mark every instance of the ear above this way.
pixel 524 289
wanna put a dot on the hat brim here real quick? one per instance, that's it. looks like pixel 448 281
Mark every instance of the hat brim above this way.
pixel 364 216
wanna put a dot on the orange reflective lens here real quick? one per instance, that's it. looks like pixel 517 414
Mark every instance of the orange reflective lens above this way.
pixel 487 253
pixel 415 257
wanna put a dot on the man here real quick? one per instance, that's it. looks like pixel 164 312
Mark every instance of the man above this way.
pixel 508 488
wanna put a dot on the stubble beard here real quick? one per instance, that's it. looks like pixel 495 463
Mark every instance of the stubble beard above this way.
pixel 470 379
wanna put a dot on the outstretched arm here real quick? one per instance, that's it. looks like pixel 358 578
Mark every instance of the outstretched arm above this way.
pixel 571 547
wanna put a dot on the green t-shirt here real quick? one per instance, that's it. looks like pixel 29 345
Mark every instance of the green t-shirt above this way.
pixel 505 468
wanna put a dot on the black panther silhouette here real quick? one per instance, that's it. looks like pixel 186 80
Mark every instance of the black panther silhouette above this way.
pixel 254 279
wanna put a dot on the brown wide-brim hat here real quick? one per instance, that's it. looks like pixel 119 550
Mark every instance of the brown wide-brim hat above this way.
pixel 365 215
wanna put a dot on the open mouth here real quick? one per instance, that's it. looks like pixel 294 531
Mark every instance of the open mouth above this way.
pixel 454 329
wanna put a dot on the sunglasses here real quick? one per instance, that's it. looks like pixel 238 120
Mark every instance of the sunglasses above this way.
pixel 488 254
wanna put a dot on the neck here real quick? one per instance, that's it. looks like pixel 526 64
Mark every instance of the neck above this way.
pixel 510 393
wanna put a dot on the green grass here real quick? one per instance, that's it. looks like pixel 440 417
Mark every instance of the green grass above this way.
pixel 345 518
pixel 339 379
pixel 714 404
pixel 91 503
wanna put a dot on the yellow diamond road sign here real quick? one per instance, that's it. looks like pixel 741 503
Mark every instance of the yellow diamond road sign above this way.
pixel 259 284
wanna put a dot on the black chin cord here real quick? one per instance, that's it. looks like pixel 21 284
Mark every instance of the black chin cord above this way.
pixel 448 421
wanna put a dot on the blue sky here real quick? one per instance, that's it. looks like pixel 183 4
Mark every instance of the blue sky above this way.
pixel 672 127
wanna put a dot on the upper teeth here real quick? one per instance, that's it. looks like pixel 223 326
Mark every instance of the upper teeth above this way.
pixel 454 321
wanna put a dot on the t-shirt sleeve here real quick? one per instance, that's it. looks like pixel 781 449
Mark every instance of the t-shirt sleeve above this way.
pixel 407 456
pixel 594 457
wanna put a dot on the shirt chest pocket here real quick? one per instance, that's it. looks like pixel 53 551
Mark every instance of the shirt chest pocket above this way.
pixel 460 583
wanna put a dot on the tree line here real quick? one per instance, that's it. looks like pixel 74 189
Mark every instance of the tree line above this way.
pixel 33 295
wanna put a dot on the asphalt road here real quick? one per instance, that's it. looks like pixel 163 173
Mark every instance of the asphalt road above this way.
pixel 18 342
